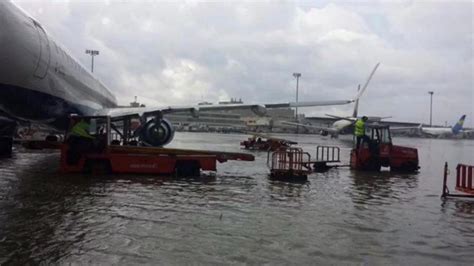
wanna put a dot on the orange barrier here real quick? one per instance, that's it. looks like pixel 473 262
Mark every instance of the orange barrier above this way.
pixel 464 182
pixel 464 178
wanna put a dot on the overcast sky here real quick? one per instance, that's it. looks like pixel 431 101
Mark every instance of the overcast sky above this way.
pixel 175 53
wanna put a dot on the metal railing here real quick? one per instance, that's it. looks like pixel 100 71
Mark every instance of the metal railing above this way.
pixel 464 181
pixel 328 154
pixel 464 178
pixel 288 159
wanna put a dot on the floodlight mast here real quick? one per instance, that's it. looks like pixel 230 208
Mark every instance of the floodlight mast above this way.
pixel 297 76
pixel 92 53
pixel 431 107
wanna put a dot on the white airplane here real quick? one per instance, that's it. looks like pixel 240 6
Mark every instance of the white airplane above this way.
pixel 457 129
pixel 343 122
pixel 40 82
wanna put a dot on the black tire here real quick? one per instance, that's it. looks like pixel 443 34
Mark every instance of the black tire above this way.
pixel 188 169
pixel 406 168
pixel 98 167
pixel 373 164
pixel 52 138
pixel 6 146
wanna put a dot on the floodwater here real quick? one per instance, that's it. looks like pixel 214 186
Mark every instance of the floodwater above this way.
pixel 238 215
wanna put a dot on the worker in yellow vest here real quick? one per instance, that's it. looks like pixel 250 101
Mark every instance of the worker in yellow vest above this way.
pixel 81 130
pixel 359 131
pixel 80 141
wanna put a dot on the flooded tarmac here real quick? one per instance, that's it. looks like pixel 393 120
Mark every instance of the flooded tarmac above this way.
pixel 237 215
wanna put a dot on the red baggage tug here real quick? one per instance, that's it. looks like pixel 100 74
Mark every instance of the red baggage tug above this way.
pixel 379 151
pixel 119 153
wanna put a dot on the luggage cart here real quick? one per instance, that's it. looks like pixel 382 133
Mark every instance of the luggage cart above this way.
pixel 290 164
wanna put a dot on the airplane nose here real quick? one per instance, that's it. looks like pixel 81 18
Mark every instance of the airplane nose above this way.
pixel 18 46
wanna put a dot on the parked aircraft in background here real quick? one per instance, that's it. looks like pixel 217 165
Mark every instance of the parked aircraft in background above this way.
pixel 455 130
pixel 40 82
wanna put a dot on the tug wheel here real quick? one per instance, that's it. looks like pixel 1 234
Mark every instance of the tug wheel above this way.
pixel 373 164
pixel 407 167
pixel 98 167
pixel 188 168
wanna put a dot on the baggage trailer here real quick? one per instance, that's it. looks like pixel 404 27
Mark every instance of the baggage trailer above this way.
pixel 261 142
pixel 289 164
pixel 108 155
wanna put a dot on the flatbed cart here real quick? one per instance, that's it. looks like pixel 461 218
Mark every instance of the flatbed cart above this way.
pixel 261 142
pixel 464 181
pixel 109 155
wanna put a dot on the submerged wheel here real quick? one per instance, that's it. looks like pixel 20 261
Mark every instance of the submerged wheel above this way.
pixel 98 167
pixel 373 164
pixel 52 138
pixel 188 169
pixel 6 146
pixel 409 167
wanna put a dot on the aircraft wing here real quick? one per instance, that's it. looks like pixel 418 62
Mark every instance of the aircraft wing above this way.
pixel 405 128
pixel 328 129
pixel 351 119
pixel 259 109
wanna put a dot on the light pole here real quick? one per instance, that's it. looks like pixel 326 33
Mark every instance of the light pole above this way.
pixel 92 53
pixel 431 107
pixel 297 76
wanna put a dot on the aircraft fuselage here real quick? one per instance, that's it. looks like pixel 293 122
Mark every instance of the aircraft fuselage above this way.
pixel 39 80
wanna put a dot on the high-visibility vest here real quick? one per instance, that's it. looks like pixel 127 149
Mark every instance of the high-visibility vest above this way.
pixel 359 128
pixel 81 129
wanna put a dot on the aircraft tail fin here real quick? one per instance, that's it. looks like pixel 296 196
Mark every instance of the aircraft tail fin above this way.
pixel 458 127
pixel 356 105
pixel 367 82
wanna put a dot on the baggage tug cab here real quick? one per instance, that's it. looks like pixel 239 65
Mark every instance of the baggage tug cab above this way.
pixel 379 151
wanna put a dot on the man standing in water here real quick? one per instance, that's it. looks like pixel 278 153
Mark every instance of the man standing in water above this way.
pixel 80 141
pixel 359 131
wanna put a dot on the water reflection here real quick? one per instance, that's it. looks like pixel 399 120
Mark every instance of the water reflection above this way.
pixel 38 216
pixel 463 208
pixel 238 215
pixel 381 188
pixel 284 190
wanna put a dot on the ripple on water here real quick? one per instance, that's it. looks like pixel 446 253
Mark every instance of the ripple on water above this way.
pixel 235 216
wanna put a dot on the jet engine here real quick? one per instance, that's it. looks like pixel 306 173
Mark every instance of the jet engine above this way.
pixel 324 132
pixel 156 133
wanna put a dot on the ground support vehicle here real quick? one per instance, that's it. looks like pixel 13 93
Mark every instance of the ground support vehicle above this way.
pixel 378 151
pixel 265 143
pixel 114 154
